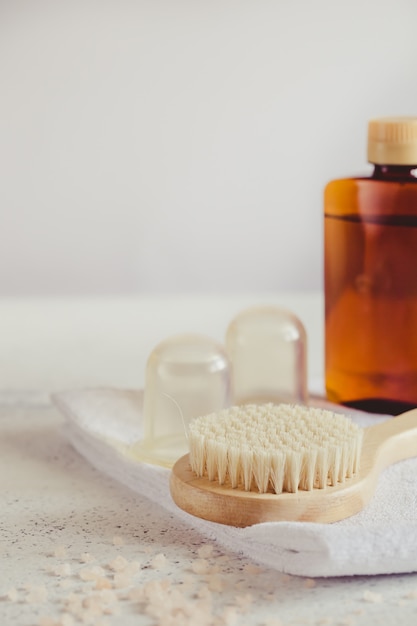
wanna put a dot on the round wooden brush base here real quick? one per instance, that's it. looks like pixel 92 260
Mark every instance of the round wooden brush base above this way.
pixel 236 507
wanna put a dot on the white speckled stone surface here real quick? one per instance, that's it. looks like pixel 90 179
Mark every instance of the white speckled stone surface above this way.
pixel 51 498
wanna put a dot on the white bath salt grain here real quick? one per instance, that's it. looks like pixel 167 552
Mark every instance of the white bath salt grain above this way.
pixel 90 614
pixel 91 573
pixel 111 610
pixel 136 594
pixel 412 595
pixel 85 557
pixel 94 614
pixel 37 594
pixel 229 616
pixel 201 617
pixel 132 567
pixel 12 595
pixel 63 570
pixel 215 583
pixel 93 604
pixel 118 541
pixel 172 605
pixel 187 577
pixel 204 552
pixel 108 596
pixel 66 620
pixel 204 609
pixel 72 599
pixel 46 620
pixel 89 617
pixel 156 589
pixel 157 608
pixel 159 561
pixel 122 580
pixel 118 564
pixel 65 583
pixel 60 552
pixel 204 600
pixel 122 594
pixel 102 583
pixel 370 596
pixel 200 566
pixel 204 593
pixel 244 602
pixel 77 611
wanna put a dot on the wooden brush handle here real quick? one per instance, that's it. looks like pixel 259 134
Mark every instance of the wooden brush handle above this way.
pixel 383 445
pixel 389 442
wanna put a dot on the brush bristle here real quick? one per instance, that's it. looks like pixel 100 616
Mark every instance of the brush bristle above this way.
pixel 275 447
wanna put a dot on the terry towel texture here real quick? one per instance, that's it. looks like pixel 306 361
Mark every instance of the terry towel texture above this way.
pixel 102 424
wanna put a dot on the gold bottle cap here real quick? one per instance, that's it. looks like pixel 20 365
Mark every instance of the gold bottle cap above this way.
pixel 393 141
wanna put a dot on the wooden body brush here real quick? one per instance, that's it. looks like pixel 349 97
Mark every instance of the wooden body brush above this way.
pixel 263 463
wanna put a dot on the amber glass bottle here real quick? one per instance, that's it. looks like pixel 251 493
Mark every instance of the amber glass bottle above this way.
pixel 371 276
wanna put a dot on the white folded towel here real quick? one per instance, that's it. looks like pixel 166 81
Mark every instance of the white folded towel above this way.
pixel 102 424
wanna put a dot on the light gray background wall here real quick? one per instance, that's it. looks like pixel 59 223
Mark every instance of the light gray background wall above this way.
pixel 183 145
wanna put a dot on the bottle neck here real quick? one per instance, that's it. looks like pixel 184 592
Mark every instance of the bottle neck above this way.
pixel 400 173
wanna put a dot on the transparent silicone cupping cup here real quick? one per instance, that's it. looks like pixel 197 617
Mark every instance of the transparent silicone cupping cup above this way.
pixel 186 376
pixel 267 347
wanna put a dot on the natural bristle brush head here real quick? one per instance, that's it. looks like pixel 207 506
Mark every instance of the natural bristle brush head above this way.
pixel 260 463
pixel 274 447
